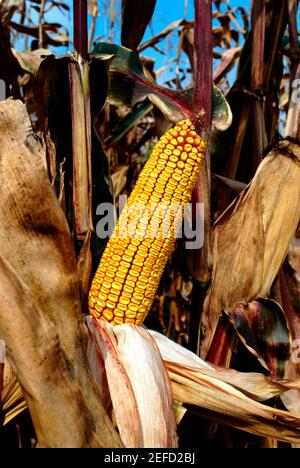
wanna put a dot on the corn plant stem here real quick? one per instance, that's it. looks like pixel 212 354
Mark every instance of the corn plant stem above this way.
pixel 112 20
pixel 258 45
pixel 202 115
pixel 281 24
pixel 23 12
pixel 80 99
pixel 41 29
pixel 293 36
pixel 95 13
pixel 185 6
pixel 80 28
pixel 258 19
pixel 203 65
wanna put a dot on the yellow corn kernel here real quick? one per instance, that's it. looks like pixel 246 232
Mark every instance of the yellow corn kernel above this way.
pixel 127 320
pixel 108 315
pixel 118 320
pixel 119 313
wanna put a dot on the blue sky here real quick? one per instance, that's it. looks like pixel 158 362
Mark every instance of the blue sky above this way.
pixel 166 12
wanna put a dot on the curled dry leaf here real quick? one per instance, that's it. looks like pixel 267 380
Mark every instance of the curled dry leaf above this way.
pixel 227 396
pixel 287 292
pixel 119 180
pixel 136 16
pixel 227 63
pixel 183 361
pixel 251 239
pixel 11 395
pixel 220 402
pixel 31 61
pixel 261 326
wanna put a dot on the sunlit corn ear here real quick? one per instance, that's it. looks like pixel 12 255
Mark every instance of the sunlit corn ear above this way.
pixel 138 382
pixel 251 239
pixel 133 262
pixel 12 402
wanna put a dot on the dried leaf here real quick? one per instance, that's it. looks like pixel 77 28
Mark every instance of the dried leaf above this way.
pixel 136 16
pixel 119 180
pixel 219 402
pixel 252 237
pixel 11 396
pixel 227 62
pixel 182 361
pixel 130 85
pixel 82 172
pixel 262 327
pixel 162 35
pixel 34 32
pixel 31 61
pixel 45 336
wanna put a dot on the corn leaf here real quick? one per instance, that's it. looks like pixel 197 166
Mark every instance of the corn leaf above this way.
pixel 183 361
pixel 251 239
pixel 130 85
pixel 44 335
pixel 219 402
pixel 262 327
pixel 126 124
pixel 135 19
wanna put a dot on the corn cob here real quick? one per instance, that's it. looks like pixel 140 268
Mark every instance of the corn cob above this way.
pixel 132 264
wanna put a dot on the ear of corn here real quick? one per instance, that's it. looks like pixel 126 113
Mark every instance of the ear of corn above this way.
pixel 133 262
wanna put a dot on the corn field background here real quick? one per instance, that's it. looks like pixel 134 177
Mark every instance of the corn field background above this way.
pixel 87 89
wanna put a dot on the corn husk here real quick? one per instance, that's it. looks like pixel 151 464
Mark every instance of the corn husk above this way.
pixel 139 385
pixel 222 395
